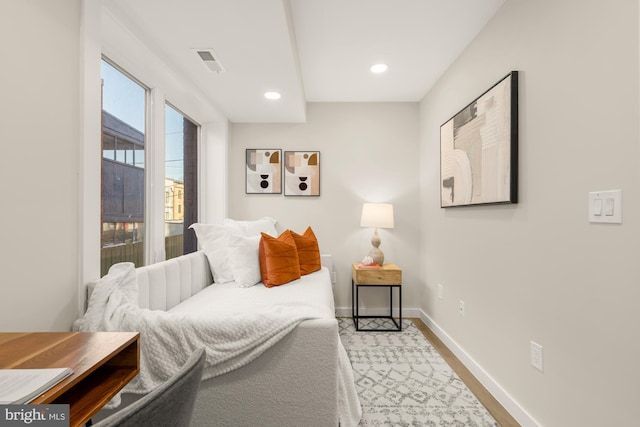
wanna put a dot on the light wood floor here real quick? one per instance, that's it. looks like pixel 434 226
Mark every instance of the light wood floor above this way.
pixel 493 406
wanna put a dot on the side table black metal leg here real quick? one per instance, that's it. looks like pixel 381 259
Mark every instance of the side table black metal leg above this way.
pixel 400 306
pixel 357 308
pixel 397 324
pixel 391 305
pixel 353 305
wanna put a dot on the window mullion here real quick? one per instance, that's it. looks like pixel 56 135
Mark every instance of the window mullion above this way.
pixel 155 158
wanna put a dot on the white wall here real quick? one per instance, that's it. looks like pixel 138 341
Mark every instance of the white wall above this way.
pixel 39 133
pixel 367 154
pixel 538 270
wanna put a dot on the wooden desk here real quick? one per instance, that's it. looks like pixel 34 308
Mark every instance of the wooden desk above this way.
pixel 102 362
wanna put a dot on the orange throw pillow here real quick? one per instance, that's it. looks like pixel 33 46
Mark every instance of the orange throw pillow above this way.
pixel 279 262
pixel 308 251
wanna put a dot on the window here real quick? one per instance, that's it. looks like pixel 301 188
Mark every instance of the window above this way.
pixel 181 178
pixel 108 146
pixel 123 173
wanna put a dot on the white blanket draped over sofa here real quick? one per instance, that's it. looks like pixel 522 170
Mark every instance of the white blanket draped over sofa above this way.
pixel 234 333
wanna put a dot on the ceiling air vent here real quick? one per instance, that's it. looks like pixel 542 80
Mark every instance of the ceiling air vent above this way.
pixel 208 58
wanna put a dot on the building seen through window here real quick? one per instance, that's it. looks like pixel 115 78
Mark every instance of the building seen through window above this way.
pixel 124 174
pixel 181 183
pixel 123 169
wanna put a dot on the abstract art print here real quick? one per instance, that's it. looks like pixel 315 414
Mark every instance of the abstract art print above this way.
pixel 263 171
pixel 301 173
pixel 479 149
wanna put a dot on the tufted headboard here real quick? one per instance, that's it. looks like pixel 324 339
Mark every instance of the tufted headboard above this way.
pixel 166 284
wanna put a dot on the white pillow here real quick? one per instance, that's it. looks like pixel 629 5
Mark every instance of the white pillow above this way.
pixel 244 260
pixel 254 228
pixel 213 239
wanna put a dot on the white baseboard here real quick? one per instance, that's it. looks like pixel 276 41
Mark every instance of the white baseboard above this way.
pixel 406 312
pixel 516 411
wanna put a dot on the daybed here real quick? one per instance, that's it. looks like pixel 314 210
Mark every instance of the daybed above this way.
pixel 298 375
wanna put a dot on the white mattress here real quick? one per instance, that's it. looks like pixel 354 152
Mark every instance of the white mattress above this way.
pixel 313 290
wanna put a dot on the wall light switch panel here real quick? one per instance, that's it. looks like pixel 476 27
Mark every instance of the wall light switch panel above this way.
pixel 605 206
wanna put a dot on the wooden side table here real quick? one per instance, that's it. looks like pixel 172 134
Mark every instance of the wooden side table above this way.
pixel 389 275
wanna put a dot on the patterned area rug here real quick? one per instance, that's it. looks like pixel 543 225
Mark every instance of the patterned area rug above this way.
pixel 403 381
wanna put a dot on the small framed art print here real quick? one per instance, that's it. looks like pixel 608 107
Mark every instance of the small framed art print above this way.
pixel 301 173
pixel 263 171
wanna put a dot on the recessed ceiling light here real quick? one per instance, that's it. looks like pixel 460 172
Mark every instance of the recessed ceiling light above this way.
pixel 272 95
pixel 379 68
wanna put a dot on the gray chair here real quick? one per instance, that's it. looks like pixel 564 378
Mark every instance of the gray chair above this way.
pixel 171 404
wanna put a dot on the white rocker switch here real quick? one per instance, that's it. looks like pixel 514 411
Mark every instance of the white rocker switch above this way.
pixel 608 206
pixel 597 207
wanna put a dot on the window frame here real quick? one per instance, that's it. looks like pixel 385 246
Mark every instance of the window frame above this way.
pixel 180 196
pixel 147 143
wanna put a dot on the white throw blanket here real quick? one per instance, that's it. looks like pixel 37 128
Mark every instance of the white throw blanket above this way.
pixel 231 338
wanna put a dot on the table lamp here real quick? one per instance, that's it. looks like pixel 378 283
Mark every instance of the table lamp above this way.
pixel 377 215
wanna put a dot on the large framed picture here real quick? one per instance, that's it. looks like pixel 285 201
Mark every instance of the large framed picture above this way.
pixel 301 173
pixel 479 149
pixel 263 171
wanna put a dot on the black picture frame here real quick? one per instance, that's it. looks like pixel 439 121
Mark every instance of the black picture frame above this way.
pixel 479 149
pixel 302 173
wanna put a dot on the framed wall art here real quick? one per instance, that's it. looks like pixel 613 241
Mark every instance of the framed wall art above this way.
pixel 479 149
pixel 301 173
pixel 263 171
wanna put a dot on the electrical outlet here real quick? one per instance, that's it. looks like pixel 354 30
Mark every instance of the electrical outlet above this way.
pixel 440 291
pixel 536 356
pixel 461 308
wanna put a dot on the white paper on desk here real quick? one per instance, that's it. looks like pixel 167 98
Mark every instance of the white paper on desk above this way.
pixel 19 386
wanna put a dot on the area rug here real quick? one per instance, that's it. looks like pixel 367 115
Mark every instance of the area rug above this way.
pixel 403 381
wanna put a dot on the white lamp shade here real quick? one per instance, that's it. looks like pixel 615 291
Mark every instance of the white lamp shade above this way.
pixel 377 215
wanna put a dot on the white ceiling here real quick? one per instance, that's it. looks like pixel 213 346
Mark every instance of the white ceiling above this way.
pixel 308 50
